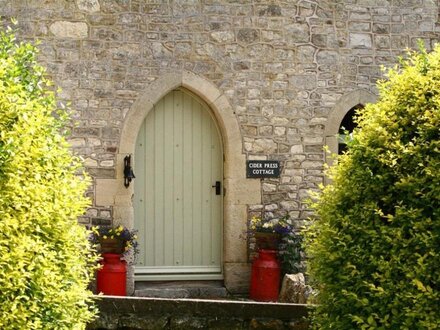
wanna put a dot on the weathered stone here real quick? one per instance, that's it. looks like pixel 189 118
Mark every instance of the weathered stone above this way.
pixel 289 205
pixel 265 130
pixel 305 81
pixel 327 57
pixel 247 35
pixel 225 323
pixel 64 29
pixel 298 325
pixel 293 289
pixel 382 41
pixel 269 324
pixel 268 187
pixel 297 33
pixel 297 149
pixel 90 6
pixel 101 173
pixel 360 40
pixel 270 10
pixel 305 54
pixel 89 162
pixel 85 131
pixel 222 36
pixel 266 146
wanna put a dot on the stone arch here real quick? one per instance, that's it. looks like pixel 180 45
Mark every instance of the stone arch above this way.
pixel 340 109
pixel 239 191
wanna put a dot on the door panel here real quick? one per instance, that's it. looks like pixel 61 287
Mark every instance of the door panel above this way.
pixel 178 159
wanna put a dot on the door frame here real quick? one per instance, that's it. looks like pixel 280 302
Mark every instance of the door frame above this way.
pixel 240 192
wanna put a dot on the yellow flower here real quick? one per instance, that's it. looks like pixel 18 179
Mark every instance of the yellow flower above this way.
pixel 95 230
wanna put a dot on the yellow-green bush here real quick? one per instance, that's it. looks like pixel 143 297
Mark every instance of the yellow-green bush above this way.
pixel 375 246
pixel 45 258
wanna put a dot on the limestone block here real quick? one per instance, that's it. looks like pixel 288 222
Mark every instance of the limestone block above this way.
pixel 208 91
pixel 237 277
pixel 269 187
pixel 247 35
pixel 76 143
pixel 305 54
pixel 382 41
pixel 222 36
pixel 360 40
pixel 271 207
pixel 267 146
pixel 228 125
pixel 289 205
pixel 160 51
pixel 303 81
pixel 106 190
pixel 298 32
pixel 63 29
pixel 279 130
pixel 243 191
pixel 90 6
pixel 235 226
pixel 297 149
pixel 327 57
pixel 293 289
pixel 89 162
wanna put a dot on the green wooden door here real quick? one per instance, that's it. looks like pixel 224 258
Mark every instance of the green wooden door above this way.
pixel 178 160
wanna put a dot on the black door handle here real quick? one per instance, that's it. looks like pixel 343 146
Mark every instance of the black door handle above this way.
pixel 217 187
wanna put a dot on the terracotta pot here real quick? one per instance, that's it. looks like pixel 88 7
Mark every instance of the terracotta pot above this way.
pixel 267 241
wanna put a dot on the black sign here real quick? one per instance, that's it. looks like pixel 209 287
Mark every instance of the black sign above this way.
pixel 262 169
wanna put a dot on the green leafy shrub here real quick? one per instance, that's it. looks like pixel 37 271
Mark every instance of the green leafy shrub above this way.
pixel 291 253
pixel 374 247
pixel 46 261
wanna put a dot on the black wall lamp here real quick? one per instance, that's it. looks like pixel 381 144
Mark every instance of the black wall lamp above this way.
pixel 128 171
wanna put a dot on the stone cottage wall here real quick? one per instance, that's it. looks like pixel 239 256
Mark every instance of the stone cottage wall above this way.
pixel 284 67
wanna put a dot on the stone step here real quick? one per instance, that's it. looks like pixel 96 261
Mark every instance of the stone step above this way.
pixel 175 293
pixel 176 290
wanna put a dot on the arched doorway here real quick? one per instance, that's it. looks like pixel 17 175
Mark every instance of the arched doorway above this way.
pixel 239 191
pixel 178 191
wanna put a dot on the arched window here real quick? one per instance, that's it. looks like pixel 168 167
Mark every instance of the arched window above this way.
pixel 347 126
pixel 340 121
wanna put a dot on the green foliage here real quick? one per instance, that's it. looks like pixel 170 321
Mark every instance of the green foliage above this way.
pixel 374 247
pixel 291 253
pixel 46 261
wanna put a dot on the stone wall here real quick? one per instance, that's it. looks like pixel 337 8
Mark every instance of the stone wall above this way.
pixel 149 313
pixel 282 65
pixel 287 71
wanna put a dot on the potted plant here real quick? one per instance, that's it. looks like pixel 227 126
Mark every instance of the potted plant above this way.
pixel 117 245
pixel 118 240
pixel 268 233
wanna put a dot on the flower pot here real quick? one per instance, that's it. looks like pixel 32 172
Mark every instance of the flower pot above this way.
pixel 267 241
pixel 111 245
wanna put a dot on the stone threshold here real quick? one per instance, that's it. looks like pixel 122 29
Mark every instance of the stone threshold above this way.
pixel 182 289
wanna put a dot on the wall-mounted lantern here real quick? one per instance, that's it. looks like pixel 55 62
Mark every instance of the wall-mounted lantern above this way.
pixel 128 171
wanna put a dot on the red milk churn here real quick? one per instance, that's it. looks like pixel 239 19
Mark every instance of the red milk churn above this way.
pixel 265 277
pixel 111 279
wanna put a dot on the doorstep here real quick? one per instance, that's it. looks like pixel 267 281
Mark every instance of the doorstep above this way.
pixel 181 289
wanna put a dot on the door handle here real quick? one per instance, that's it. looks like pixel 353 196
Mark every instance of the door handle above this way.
pixel 217 187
